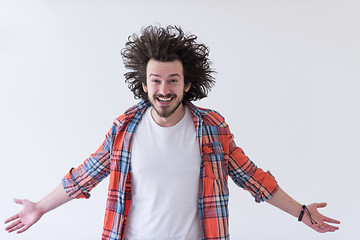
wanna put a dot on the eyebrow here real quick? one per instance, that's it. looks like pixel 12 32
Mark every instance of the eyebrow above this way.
pixel 171 75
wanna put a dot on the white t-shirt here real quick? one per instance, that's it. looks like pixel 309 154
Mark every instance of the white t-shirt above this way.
pixel 165 168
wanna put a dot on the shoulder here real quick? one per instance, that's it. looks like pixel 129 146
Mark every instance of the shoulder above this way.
pixel 131 112
pixel 211 117
pixel 119 120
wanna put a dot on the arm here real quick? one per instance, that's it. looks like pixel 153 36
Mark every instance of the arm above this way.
pixel 284 202
pixel 76 184
pixel 33 211
pixel 263 187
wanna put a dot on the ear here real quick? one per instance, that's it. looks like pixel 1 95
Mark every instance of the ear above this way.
pixel 187 87
pixel 144 87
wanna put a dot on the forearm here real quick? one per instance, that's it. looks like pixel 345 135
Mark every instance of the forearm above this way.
pixel 55 199
pixel 284 202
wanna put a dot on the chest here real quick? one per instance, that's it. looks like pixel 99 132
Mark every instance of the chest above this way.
pixel 165 152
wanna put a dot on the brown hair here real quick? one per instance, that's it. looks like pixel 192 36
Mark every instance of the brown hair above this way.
pixel 168 44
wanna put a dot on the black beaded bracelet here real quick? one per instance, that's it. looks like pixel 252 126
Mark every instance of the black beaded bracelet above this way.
pixel 306 210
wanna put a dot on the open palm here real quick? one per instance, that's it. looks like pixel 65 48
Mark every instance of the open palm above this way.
pixel 322 221
pixel 23 220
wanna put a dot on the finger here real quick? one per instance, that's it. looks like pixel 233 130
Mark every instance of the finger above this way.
pixel 321 228
pixel 330 220
pixel 17 227
pixel 11 227
pixel 329 228
pixel 16 216
pixel 23 229
pixel 321 205
pixel 18 201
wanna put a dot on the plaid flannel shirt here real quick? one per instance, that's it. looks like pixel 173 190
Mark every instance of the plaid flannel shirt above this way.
pixel 220 158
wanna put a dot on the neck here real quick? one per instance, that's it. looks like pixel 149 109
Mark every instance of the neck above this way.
pixel 172 120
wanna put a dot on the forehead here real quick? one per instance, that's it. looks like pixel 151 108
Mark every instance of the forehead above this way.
pixel 164 69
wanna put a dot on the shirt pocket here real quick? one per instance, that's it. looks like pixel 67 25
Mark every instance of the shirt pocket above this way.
pixel 213 161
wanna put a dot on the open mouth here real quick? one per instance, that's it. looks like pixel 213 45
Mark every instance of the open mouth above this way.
pixel 164 99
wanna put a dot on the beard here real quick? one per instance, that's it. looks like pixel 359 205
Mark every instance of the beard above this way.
pixel 166 111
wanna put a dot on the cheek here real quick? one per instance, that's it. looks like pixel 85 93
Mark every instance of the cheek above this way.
pixel 151 91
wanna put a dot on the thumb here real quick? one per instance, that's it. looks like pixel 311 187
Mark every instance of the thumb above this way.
pixel 18 201
pixel 321 205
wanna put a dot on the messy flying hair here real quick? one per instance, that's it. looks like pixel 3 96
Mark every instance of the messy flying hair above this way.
pixel 166 45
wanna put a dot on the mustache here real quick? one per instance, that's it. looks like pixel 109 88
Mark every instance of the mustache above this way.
pixel 165 96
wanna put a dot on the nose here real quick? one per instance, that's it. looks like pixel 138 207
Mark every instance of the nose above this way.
pixel 164 89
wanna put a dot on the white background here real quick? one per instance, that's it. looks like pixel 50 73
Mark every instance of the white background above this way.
pixel 287 83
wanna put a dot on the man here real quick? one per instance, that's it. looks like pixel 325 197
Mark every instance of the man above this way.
pixel 168 160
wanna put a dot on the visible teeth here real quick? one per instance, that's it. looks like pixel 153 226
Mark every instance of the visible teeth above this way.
pixel 164 99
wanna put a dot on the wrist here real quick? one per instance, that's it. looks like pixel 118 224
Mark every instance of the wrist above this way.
pixel 301 214
pixel 41 207
pixel 305 211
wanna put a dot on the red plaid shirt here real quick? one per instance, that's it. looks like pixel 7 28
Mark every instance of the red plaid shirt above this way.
pixel 220 158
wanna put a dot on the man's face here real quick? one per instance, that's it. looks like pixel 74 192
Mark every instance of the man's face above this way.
pixel 165 87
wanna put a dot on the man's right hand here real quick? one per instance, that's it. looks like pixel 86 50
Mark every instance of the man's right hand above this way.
pixel 30 214
pixel 33 211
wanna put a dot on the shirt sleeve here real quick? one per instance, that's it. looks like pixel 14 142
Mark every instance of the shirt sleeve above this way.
pixel 79 181
pixel 262 185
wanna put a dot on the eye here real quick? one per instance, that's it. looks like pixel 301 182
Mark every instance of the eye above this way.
pixel 155 81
